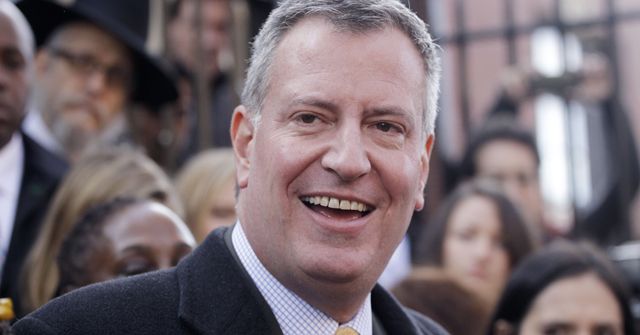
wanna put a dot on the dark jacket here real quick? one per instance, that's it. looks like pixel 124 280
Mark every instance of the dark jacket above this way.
pixel 207 293
pixel 40 178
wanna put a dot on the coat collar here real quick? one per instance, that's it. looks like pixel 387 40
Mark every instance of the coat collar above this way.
pixel 217 296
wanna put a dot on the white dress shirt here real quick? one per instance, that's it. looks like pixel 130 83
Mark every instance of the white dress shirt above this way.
pixel 11 170
pixel 294 315
pixel 35 127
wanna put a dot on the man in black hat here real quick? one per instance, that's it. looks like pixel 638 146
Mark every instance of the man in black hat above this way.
pixel 29 174
pixel 90 66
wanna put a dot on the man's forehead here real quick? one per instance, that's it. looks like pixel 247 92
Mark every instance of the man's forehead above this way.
pixel 310 40
pixel 89 37
pixel 10 35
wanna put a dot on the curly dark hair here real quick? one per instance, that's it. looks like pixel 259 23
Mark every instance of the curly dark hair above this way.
pixel 86 235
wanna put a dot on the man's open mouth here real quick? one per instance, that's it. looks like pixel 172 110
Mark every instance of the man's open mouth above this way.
pixel 337 208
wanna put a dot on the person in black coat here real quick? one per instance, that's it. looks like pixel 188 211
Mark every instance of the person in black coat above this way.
pixel 209 292
pixel 332 146
pixel 29 173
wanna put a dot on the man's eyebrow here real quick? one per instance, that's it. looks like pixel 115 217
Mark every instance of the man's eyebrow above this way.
pixel 332 106
pixel 392 110
pixel 315 102
pixel 563 325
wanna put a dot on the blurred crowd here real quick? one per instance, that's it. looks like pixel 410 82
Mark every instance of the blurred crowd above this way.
pixel 116 159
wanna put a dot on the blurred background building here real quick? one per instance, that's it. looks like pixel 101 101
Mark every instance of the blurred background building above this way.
pixel 569 70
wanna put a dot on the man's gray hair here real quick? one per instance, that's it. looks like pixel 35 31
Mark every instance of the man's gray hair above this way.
pixel 356 16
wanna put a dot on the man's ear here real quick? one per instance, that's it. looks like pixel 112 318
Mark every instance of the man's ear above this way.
pixel 425 157
pixel 242 134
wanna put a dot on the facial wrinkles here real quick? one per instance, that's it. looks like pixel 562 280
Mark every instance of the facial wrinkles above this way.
pixel 300 165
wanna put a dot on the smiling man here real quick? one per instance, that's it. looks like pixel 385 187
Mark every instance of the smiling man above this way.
pixel 332 144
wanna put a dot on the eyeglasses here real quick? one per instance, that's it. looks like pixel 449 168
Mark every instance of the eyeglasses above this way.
pixel 86 65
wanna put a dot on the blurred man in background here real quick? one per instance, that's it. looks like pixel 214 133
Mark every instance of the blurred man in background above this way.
pixel 90 66
pixel 29 174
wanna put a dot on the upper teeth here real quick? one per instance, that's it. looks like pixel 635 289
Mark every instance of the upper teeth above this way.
pixel 336 203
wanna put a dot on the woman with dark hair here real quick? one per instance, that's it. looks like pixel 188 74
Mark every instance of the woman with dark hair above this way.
pixel 566 288
pixel 477 238
pixel 120 238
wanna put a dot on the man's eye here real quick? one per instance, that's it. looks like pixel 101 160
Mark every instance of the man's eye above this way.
pixel 387 127
pixel 307 118
pixel 12 61
pixel 86 63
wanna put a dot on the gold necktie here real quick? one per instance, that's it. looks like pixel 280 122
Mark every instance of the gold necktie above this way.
pixel 346 331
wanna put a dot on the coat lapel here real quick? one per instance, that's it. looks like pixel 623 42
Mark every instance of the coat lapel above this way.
pixel 41 175
pixel 216 294
pixel 390 313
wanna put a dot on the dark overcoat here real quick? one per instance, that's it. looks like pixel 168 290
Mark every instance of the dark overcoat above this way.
pixel 208 292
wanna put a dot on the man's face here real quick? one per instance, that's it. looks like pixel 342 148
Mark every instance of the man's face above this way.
pixel 13 80
pixel 341 127
pixel 182 35
pixel 514 167
pixel 575 305
pixel 84 78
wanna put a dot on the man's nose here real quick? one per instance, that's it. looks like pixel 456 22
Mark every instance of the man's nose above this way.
pixel 348 156
pixel 96 81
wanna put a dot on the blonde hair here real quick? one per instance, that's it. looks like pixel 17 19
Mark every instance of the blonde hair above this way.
pixel 200 180
pixel 96 178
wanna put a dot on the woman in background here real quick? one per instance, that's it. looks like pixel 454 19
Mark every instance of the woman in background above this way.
pixel 207 187
pixel 96 178
pixel 566 288
pixel 121 238
pixel 477 238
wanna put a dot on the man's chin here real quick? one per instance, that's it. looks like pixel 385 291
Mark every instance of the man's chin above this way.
pixel 337 271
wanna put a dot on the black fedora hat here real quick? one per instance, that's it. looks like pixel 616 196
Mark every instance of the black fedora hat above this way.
pixel 127 20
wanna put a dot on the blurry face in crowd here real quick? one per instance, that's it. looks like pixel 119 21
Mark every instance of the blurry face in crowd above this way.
pixel 13 80
pixel 514 167
pixel 216 24
pixel 473 252
pixel 83 83
pixel 580 305
pixel 142 238
pixel 221 211
pixel 334 169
